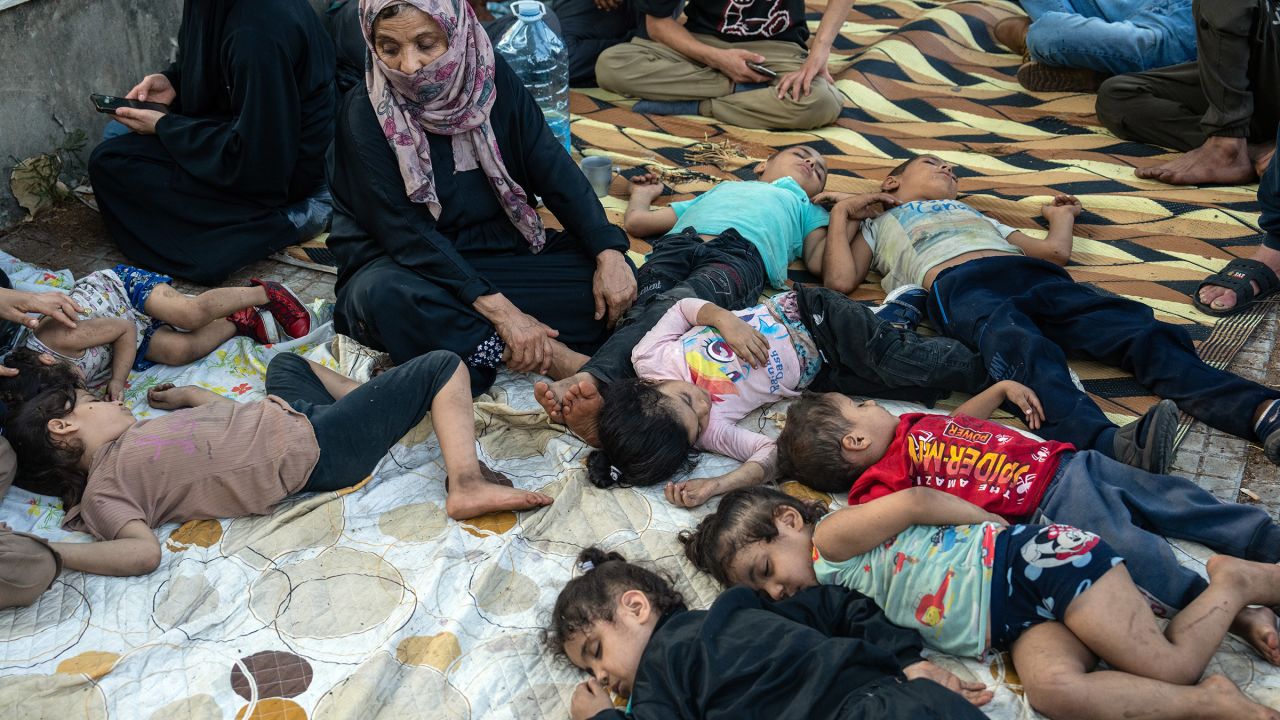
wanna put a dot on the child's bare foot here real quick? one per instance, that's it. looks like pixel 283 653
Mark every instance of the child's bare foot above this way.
pixel 1257 582
pixel 474 495
pixel 581 411
pixel 551 396
pixel 1222 699
pixel 1219 161
pixel 1257 626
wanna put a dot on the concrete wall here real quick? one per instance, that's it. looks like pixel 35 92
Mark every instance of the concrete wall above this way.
pixel 55 53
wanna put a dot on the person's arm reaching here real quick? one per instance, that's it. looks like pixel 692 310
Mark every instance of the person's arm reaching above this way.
pixel 799 84
pixel 859 528
pixel 134 551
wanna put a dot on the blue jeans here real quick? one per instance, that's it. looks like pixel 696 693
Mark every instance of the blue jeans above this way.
pixel 1157 33
pixel 114 128
pixel 1132 509
pixel 1110 10
pixel 1024 315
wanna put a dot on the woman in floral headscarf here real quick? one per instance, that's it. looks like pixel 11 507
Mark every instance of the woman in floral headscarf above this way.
pixel 438 161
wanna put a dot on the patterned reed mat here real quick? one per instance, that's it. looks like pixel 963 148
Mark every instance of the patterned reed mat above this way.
pixel 928 77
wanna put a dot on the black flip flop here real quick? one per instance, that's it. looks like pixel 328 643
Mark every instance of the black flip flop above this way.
pixel 1238 275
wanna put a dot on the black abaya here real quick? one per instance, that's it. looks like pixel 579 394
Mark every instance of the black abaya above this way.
pixel 247 135
pixel 407 281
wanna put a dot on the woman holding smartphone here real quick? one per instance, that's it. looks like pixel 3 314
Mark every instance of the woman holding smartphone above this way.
pixel 199 191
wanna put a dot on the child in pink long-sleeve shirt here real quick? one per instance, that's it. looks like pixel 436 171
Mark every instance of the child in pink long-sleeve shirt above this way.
pixel 702 368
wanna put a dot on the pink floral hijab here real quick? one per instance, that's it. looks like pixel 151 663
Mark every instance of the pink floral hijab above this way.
pixel 451 96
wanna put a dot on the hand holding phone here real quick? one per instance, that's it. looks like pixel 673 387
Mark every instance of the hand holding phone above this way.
pixel 762 69
pixel 110 103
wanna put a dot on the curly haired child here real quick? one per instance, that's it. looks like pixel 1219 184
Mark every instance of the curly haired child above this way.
pixel 1057 597
pixel 132 319
pixel 823 654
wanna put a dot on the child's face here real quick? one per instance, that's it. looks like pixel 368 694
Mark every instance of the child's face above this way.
pixel 803 164
pixel 610 650
pixel 690 403
pixel 106 420
pixel 780 567
pixel 928 177
pixel 870 429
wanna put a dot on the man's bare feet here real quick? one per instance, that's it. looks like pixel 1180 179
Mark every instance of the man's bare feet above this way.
pixel 581 410
pixel 1222 699
pixel 475 494
pixel 1219 161
pixel 1261 156
pixel 1257 626
pixel 1220 298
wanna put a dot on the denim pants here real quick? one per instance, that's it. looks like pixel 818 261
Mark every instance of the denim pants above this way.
pixel 864 355
pixel 355 432
pixel 726 270
pixel 1027 316
pixel 1131 509
pixel 1129 37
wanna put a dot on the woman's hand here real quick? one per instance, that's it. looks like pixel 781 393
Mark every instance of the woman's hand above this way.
pixel 15 304
pixel 528 342
pixel 154 88
pixel 975 692
pixel 589 699
pixel 614 286
pixel 799 83
pixel 142 122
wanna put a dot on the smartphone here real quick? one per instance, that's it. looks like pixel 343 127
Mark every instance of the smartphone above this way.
pixel 762 69
pixel 110 103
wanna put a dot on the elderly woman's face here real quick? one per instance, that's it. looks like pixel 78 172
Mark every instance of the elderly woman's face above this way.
pixel 408 40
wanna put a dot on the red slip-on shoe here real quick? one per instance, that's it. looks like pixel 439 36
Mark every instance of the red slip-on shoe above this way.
pixel 287 309
pixel 251 324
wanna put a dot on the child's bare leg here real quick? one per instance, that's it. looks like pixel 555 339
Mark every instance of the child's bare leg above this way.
pixel 469 494
pixel 1055 670
pixel 170 347
pixel 582 406
pixel 190 312
pixel 1113 619
pixel 335 383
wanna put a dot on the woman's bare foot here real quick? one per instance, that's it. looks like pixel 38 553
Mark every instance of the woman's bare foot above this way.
pixel 473 495
pixel 1257 626
pixel 551 396
pixel 581 410
pixel 1222 699
pixel 1219 161
pixel 1257 583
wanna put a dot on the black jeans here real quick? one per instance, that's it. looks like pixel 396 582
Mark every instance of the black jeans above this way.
pixel 726 270
pixel 1229 91
pixel 355 432
pixel 1026 315
pixel 864 355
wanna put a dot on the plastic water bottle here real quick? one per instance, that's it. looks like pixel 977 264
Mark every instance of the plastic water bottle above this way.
pixel 541 62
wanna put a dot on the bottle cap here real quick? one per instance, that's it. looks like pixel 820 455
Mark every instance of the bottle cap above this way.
pixel 528 10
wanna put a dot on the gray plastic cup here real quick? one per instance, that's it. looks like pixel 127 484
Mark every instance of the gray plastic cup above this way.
pixel 599 172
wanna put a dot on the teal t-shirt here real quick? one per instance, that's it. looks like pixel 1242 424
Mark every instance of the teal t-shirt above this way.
pixel 775 217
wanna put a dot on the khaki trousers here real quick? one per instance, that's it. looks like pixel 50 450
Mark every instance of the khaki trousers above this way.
pixel 650 70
